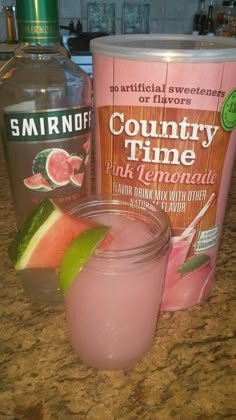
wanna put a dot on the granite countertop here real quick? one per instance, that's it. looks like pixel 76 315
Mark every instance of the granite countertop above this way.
pixel 190 372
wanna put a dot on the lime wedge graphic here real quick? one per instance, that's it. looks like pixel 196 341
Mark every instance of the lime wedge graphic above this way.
pixel 77 253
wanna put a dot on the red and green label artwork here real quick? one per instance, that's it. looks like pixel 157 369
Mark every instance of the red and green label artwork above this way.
pixel 48 155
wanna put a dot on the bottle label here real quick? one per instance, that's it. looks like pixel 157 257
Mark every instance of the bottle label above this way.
pixel 48 156
pixel 40 126
pixel 170 142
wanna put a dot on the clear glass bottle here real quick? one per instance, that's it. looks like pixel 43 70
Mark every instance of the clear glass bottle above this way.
pixel 44 98
pixel 45 120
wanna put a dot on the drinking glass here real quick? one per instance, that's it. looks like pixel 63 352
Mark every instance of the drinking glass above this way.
pixel 112 306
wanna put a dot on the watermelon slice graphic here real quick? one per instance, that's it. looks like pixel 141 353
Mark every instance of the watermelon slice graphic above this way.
pixel 37 183
pixel 77 180
pixel 86 146
pixel 54 166
pixel 75 162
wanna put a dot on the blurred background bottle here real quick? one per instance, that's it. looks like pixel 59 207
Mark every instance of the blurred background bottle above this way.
pixel 226 19
pixel 12 33
pixel 200 19
pixel 209 29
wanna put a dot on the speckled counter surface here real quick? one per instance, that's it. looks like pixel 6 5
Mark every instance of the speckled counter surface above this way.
pixel 190 372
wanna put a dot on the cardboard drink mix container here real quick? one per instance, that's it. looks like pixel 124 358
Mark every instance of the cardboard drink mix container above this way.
pixel 165 113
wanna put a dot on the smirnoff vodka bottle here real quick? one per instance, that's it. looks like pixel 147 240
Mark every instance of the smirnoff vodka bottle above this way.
pixel 45 120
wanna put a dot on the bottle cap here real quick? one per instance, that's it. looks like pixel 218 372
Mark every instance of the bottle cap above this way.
pixel 37 21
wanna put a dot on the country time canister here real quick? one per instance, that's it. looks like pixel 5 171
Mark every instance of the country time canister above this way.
pixel 165 117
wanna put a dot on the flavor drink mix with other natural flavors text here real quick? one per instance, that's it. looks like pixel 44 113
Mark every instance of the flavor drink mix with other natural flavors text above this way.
pixel 45 122
pixel 165 117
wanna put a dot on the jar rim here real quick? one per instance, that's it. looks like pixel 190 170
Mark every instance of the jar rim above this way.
pixel 158 220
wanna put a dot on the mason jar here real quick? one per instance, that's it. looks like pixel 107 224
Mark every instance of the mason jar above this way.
pixel 112 306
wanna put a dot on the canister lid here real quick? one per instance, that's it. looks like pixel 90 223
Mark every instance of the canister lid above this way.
pixel 169 48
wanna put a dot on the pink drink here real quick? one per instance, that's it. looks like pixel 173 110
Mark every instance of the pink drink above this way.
pixel 179 249
pixel 112 306
pixel 184 290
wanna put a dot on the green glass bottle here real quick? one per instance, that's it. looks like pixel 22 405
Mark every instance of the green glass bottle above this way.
pixel 45 122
